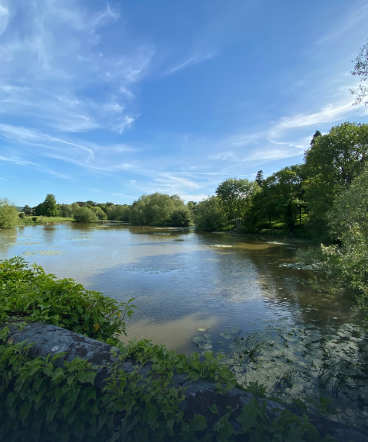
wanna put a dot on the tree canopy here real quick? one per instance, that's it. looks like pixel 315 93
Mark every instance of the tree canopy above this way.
pixel 236 197
pixel 8 214
pixel 157 209
pixel 85 215
pixel 331 164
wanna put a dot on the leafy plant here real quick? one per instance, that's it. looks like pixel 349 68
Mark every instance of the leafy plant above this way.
pixel 27 293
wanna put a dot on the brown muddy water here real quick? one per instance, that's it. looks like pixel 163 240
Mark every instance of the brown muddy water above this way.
pixel 182 280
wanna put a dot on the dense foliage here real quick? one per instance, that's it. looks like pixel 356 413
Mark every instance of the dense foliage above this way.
pixel 48 207
pixel 8 213
pixel 28 293
pixel 85 215
pixel 331 164
pixel 42 402
pixel 209 214
pixel 236 197
pixel 159 209
pixel 346 262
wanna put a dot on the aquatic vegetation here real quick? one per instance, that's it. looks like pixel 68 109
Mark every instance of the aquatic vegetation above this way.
pixel 44 252
pixel 321 367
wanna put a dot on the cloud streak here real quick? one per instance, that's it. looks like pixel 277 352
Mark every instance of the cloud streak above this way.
pixel 188 63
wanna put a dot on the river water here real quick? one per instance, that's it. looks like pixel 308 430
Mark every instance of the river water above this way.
pixel 182 280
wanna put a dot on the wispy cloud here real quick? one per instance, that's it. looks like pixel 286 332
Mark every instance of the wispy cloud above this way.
pixel 188 63
pixel 174 181
pixel 52 56
pixel 333 112
pixel 38 167
pixel 18 161
pixel 353 20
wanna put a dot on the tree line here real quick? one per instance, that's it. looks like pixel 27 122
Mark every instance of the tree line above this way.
pixel 297 199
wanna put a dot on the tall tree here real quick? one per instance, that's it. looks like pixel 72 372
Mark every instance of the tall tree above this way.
pixel 236 196
pixel 259 178
pixel 49 206
pixel 331 164
pixel 282 195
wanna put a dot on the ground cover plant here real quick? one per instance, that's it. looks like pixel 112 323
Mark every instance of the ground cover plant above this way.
pixel 41 402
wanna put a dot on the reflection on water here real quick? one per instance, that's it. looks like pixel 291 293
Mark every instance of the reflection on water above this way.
pixel 181 280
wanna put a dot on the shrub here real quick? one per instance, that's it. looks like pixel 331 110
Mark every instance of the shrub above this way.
pixel 34 218
pixel 85 215
pixel 31 294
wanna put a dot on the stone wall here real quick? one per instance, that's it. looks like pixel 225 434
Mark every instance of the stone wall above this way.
pixel 199 395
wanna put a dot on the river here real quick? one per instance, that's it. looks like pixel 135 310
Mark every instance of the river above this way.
pixel 182 280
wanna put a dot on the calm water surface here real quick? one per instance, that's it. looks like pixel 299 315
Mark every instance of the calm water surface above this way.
pixel 182 280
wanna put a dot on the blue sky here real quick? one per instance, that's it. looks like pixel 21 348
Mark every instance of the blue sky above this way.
pixel 106 101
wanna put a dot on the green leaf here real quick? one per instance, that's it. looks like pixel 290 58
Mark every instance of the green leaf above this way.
pixel 214 409
pixel 198 423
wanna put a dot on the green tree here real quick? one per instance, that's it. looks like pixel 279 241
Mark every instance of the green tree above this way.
pixel 155 209
pixel 192 206
pixel 99 212
pixel 348 221
pixel 181 217
pixel 74 208
pixel 27 210
pixel 331 164
pixel 48 207
pixel 120 212
pixel 236 196
pixel 209 214
pixel 85 215
pixel 282 196
pixel 8 214
pixel 65 210
pixel 259 178
pixel 361 71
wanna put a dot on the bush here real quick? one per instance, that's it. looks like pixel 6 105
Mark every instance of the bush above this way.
pixel 34 296
pixel 8 214
pixel 85 215
pixel 34 218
